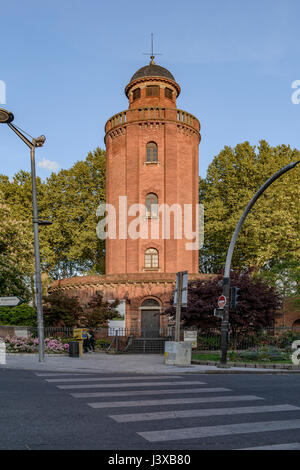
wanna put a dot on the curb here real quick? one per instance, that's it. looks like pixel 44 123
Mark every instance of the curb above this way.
pixel 281 367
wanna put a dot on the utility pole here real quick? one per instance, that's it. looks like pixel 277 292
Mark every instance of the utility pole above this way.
pixel 7 118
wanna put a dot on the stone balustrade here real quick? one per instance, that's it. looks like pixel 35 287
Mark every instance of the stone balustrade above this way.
pixel 152 113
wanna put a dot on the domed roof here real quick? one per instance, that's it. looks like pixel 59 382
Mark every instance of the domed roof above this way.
pixel 152 70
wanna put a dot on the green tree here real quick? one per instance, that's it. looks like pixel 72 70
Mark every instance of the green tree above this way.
pixel 70 246
pixel 17 196
pixel 16 253
pixel 272 229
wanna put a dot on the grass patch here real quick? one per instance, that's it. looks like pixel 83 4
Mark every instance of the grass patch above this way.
pixel 231 357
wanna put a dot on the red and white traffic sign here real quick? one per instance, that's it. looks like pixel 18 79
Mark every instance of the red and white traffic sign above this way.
pixel 222 301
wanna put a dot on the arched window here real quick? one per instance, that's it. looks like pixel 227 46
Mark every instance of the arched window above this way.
pixel 150 303
pixel 151 205
pixel 151 258
pixel 152 153
pixel 296 326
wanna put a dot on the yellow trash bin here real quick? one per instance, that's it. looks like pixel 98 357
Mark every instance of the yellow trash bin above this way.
pixel 80 334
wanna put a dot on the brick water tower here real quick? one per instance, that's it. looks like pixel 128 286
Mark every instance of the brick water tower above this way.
pixel 152 160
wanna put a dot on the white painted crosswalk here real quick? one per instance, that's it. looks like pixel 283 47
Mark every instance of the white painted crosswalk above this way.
pixel 220 430
pixel 148 392
pixel 129 385
pixel 290 446
pixel 142 392
pixel 175 401
pixel 163 415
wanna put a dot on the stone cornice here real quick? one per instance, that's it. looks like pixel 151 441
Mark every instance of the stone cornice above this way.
pixel 118 279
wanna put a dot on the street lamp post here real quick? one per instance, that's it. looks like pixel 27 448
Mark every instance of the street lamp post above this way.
pixel 226 278
pixel 6 118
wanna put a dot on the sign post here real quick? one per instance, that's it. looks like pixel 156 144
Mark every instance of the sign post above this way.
pixel 179 353
pixel 225 322
pixel 180 299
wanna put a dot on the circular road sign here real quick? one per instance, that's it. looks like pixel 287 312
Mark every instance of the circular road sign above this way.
pixel 221 301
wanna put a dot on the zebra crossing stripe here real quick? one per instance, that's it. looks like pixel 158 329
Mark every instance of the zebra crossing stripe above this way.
pixel 290 446
pixel 221 430
pixel 132 384
pixel 148 392
pixel 105 379
pixel 161 415
pixel 177 401
pixel 62 374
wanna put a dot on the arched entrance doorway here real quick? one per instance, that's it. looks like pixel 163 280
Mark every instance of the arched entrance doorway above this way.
pixel 150 318
pixel 296 326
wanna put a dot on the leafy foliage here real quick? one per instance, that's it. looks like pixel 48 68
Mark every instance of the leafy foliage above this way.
pixel 272 229
pixel 23 315
pixel 256 308
pixel 61 309
pixel 70 246
pixel 97 312
pixel 284 275
pixel 69 199
pixel 16 253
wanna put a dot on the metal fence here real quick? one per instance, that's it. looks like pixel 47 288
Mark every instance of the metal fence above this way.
pixel 142 340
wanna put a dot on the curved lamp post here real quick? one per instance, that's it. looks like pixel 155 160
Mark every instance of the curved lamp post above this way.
pixel 6 118
pixel 226 278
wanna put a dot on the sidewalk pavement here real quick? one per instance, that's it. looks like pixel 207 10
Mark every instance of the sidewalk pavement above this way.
pixel 103 363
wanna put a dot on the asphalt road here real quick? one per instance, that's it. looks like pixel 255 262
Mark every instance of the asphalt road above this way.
pixel 132 412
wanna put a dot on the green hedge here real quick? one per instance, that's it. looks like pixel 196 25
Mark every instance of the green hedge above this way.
pixel 23 315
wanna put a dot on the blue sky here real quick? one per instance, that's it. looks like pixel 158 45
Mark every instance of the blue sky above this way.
pixel 65 65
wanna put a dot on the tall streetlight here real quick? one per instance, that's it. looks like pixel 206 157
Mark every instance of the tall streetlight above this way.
pixel 6 118
pixel 226 278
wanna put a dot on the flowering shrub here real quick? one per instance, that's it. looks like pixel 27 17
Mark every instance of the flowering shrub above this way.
pixel 30 345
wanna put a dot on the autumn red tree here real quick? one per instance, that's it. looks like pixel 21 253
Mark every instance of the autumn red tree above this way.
pixel 257 305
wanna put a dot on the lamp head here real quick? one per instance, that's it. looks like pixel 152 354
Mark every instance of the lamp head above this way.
pixel 39 141
pixel 6 116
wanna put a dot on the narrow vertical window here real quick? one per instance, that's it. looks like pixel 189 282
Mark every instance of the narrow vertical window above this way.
pixel 136 94
pixel 169 93
pixel 151 205
pixel 151 151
